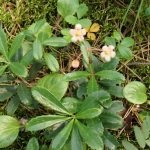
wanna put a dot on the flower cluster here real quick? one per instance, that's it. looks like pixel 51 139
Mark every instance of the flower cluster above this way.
pixel 78 33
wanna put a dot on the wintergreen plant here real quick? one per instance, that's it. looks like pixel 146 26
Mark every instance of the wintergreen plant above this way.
pixel 78 120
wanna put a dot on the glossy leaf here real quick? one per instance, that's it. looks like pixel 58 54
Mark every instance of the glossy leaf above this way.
pixel 18 69
pixel 37 49
pixel 71 19
pixel 33 144
pixel 67 7
pixel 44 97
pixel 16 44
pixel 82 10
pixel 110 75
pixel 91 138
pixel 76 75
pixel 55 84
pixel 51 62
pixel 76 143
pixel 56 42
pixel 42 122
pixel 135 92
pixel 9 130
pixel 116 107
pixel 61 138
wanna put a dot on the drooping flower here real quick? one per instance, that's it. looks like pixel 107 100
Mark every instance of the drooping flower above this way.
pixel 108 53
pixel 77 33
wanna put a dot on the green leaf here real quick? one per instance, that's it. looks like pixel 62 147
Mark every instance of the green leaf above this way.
pixel 3 43
pixel 89 113
pixel 135 92
pixel 5 94
pixel 147 12
pixel 117 35
pixel 18 69
pixel 127 42
pixel 33 144
pixel 82 10
pixel 92 85
pixel 12 105
pixel 139 136
pixel 71 19
pixel 2 69
pixel 44 97
pixel 42 122
pixel 128 145
pixel 76 75
pixel 9 130
pixel 37 49
pixel 16 44
pixel 110 41
pixel 124 52
pixel 55 84
pixel 110 141
pixel 116 107
pixel 76 143
pixel 111 75
pixel 67 7
pixel 61 138
pixel 51 62
pixel 24 94
pixel 148 142
pixel 85 23
pixel 56 42
pixel 65 31
pixel 146 127
pixel 91 138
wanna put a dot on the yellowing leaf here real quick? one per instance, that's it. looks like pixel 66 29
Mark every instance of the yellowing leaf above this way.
pixel 95 27
pixel 91 36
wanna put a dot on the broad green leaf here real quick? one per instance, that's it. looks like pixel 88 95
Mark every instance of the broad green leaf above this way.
pixel 127 42
pixel 51 62
pixel 44 97
pixel 71 104
pixel 148 142
pixel 135 92
pixel 55 84
pixel 42 37
pixel 128 145
pixel 61 138
pixel 71 19
pixel 124 52
pixel 65 31
pixel 56 42
pixel 139 136
pixel 91 138
pixel 116 107
pixel 67 7
pixel 12 105
pixel 44 147
pixel 85 23
pixel 82 10
pixel 111 120
pixel 76 75
pixel 110 41
pixel 37 49
pixel 33 144
pixel 9 129
pixel 5 94
pixel 2 69
pixel 76 143
pixel 92 85
pixel 110 75
pixel 89 113
pixel 16 44
pixel 146 127
pixel 147 12
pixel 24 94
pixel 117 35
pixel 42 122
pixel 18 69
pixel 3 43
pixel 110 141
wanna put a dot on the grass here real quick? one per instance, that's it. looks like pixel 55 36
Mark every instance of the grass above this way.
pixel 110 14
